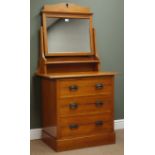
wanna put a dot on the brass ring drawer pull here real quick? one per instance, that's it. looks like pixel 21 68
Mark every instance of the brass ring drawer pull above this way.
pixel 99 85
pixel 73 87
pixel 99 103
pixel 73 126
pixel 73 106
pixel 99 123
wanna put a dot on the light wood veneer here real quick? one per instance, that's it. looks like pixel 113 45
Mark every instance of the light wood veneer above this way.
pixel 77 99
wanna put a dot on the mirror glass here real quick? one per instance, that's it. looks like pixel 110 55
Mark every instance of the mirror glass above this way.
pixel 68 35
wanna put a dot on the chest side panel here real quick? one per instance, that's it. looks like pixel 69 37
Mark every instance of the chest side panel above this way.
pixel 49 106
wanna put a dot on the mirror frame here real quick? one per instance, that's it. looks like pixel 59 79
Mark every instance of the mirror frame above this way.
pixel 74 12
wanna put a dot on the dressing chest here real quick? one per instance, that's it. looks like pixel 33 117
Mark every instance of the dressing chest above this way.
pixel 77 98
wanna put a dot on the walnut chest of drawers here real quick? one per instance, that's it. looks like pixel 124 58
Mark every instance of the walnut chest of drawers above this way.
pixel 78 111
pixel 77 98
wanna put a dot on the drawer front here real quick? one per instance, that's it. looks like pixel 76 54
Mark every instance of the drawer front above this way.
pixel 85 86
pixel 85 125
pixel 86 104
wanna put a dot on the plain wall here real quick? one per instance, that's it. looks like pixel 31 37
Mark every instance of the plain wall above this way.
pixel 109 23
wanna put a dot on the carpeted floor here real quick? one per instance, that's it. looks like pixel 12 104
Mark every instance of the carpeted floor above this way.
pixel 39 148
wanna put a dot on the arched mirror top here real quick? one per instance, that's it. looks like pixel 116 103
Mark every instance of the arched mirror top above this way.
pixel 67 8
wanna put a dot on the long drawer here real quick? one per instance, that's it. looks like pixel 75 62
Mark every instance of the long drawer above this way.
pixel 85 86
pixel 85 105
pixel 85 125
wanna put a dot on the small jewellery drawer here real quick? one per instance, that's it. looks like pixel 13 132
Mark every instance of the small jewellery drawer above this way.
pixel 85 125
pixel 85 86
pixel 86 104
